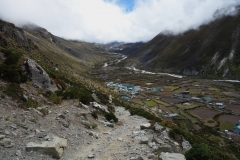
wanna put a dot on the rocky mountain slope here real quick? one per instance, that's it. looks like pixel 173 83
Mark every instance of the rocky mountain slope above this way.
pixel 212 49
pixel 49 108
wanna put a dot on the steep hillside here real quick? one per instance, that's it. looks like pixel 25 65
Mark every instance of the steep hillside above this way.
pixel 68 58
pixel 68 55
pixel 213 49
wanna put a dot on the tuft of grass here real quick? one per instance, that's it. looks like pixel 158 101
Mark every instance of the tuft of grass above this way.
pixel 29 104
pixel 55 99
pixel 94 125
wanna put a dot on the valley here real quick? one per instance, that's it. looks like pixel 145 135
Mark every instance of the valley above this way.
pixel 171 96
pixel 194 104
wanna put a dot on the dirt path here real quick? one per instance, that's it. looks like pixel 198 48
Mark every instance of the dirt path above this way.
pixel 115 143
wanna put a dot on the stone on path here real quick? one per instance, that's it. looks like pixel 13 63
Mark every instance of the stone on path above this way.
pixel 54 147
pixel 145 126
pixel 144 140
pixel 18 153
pixel 6 142
pixel 91 156
pixel 171 156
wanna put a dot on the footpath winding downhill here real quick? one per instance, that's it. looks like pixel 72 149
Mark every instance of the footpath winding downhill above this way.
pixel 115 143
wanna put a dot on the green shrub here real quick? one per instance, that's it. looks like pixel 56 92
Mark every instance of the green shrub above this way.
pixel 143 113
pixel 94 115
pixel 55 99
pixel 10 70
pixel 14 90
pixel 110 116
pixel 77 92
pixel 102 97
pixel 94 125
pixel 29 104
pixel 203 151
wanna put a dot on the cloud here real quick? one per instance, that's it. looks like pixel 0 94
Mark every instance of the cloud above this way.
pixel 105 20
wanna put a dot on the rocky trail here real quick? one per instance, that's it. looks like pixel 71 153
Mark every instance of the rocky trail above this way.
pixel 116 143
pixel 68 131
pixel 21 129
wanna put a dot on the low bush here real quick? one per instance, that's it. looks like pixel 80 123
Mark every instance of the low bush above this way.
pixel 203 151
pixel 94 115
pixel 10 70
pixel 110 116
pixel 14 90
pixel 76 92
pixel 55 99
pixel 102 97
pixel 29 104
pixel 94 125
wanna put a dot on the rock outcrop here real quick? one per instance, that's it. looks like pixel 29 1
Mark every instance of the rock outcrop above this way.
pixel 9 30
pixel 54 146
pixel 100 107
pixel 37 75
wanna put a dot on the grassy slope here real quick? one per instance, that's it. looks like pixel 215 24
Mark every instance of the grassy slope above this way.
pixel 74 59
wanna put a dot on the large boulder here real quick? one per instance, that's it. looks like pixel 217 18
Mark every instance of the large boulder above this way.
pixel 55 146
pixel 171 156
pixel 37 74
pixel 186 145
pixel 145 126
pixel 100 107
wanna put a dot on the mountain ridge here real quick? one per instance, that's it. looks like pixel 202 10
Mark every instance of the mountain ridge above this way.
pixel 193 52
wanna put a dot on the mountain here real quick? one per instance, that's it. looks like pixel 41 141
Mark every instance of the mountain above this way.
pixel 212 49
pixel 124 48
pixel 55 54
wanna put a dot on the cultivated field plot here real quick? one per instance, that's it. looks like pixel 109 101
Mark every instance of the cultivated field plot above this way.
pixel 232 94
pixel 213 89
pixel 188 105
pixel 187 81
pixel 203 112
pixel 185 85
pixel 233 119
pixel 224 125
pixel 196 83
pixel 173 109
pixel 233 107
pixel 137 101
pixel 173 100
pixel 150 103
pixel 170 88
pixel 162 102
pixel 180 90
pixel 194 91
pixel 191 118
pixel 165 109
pixel 164 93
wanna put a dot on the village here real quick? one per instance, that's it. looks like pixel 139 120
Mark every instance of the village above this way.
pixel 197 103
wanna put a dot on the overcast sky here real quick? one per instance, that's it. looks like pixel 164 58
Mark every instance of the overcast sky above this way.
pixel 109 20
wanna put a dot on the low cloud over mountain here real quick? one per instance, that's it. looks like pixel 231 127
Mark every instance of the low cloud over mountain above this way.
pixel 104 21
